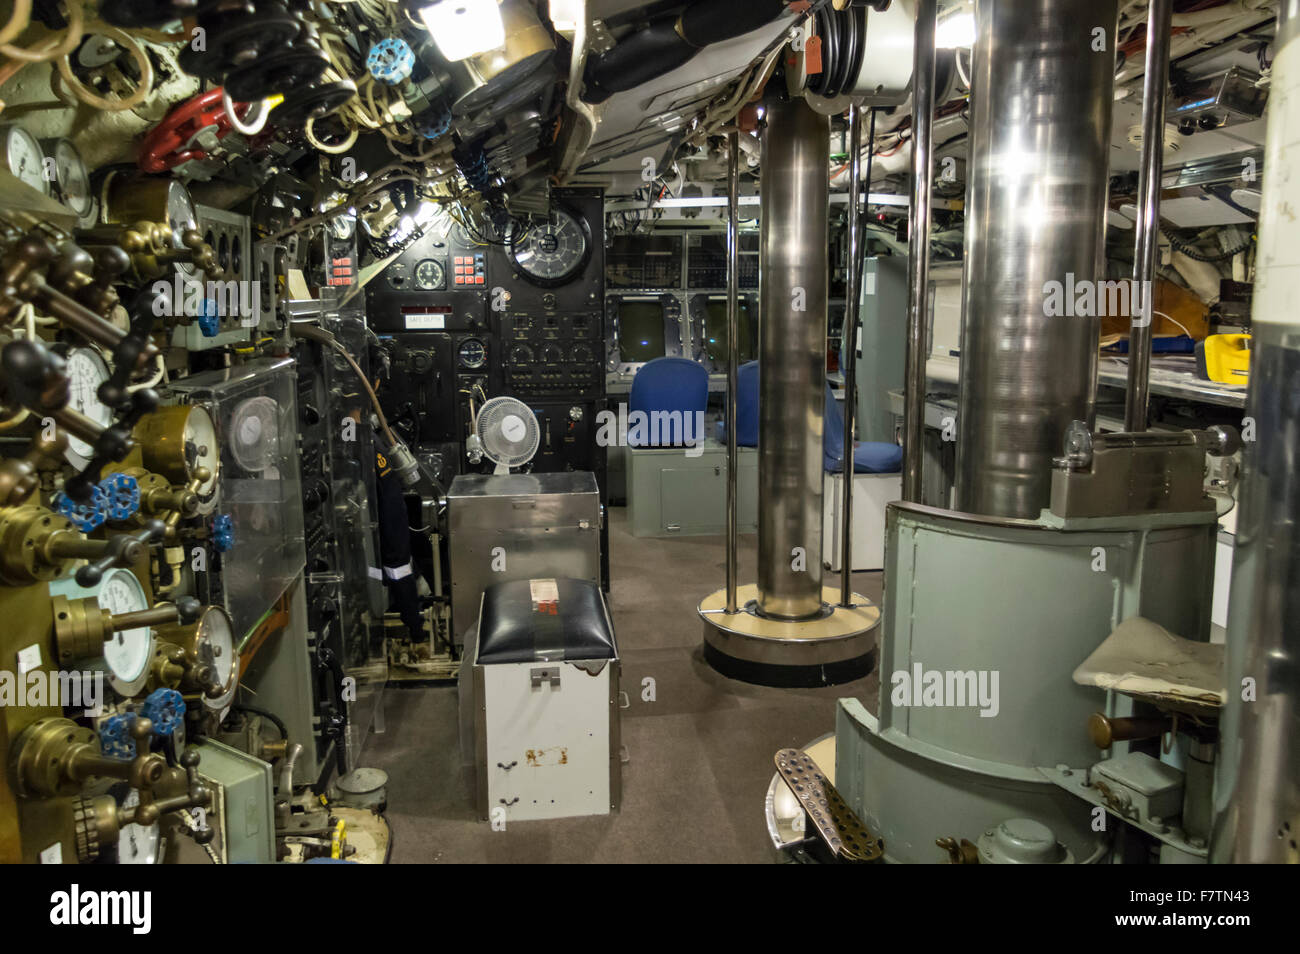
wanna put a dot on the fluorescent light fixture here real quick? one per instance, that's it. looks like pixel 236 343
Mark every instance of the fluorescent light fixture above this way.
pixel 955 30
pixel 464 28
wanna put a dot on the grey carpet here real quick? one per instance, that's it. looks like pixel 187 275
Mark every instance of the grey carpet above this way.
pixel 700 755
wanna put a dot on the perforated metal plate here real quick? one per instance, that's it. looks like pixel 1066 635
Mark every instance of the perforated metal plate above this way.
pixel 835 823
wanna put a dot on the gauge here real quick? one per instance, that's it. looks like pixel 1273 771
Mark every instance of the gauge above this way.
pixel 23 157
pixel 521 355
pixel 582 355
pixel 472 354
pixel 176 441
pixel 552 355
pixel 429 275
pixel 70 176
pixel 138 844
pixel 210 642
pixel 553 252
pixel 87 371
pixel 127 652
pixel 255 433
pixel 150 199
pixel 396 275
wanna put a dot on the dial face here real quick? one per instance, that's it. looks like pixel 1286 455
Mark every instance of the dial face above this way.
pixel 88 371
pixel 138 844
pixel 24 158
pixel 472 354
pixel 552 252
pixel 72 178
pixel 126 652
pixel 216 647
pixel 181 216
pixel 397 275
pixel 429 275
pixel 201 450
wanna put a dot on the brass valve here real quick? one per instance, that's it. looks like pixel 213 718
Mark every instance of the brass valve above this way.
pixel 37 545
pixel 171 503
pixel 81 626
pixel 54 757
pixel 19 476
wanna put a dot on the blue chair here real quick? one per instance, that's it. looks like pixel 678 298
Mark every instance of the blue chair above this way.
pixel 746 407
pixel 669 385
pixel 869 457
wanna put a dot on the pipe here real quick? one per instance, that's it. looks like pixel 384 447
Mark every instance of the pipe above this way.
pixel 918 249
pixel 584 126
pixel 1257 800
pixel 733 353
pixel 793 291
pixel 665 44
pixel 1147 227
pixel 1035 220
pixel 850 353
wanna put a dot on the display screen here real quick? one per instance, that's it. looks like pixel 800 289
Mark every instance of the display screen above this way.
pixel 640 331
pixel 715 331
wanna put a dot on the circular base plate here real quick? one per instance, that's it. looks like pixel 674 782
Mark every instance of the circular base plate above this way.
pixel 825 651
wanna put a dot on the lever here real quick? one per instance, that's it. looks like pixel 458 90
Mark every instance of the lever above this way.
pixel 122 550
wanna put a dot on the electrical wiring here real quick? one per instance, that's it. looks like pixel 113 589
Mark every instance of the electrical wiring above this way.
pixel 72 36
pixel 337 149
pixel 312 333
pixel 18 21
pixel 255 126
pixel 1197 255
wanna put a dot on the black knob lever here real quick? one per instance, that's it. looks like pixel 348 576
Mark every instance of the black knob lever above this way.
pixel 123 550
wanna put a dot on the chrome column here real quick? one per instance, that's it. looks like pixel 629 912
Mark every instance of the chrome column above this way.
pixel 1036 195
pixel 1257 790
pixel 733 352
pixel 793 280
pixel 918 249
pixel 1147 229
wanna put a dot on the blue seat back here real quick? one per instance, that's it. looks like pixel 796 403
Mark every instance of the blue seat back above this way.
pixel 869 457
pixel 668 385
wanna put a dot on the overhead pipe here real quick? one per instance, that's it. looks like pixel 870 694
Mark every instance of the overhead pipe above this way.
pixel 918 248
pixel 1147 227
pixel 665 44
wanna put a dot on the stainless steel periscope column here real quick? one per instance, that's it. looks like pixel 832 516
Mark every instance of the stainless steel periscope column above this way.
pixel 1257 799
pixel 793 280
pixel 1043 80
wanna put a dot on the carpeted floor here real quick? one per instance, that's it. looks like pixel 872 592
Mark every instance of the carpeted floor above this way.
pixel 700 754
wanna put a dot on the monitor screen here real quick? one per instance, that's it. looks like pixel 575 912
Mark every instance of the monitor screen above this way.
pixel 715 331
pixel 640 331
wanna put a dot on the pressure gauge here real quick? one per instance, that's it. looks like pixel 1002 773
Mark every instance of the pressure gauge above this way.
pixel 70 176
pixel 23 157
pixel 552 252
pixel 138 844
pixel 87 371
pixel 150 199
pixel 472 354
pixel 127 652
pixel 210 642
pixel 176 441
pixel 429 275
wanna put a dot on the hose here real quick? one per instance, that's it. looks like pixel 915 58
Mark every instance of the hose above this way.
pixel 321 336
pixel 72 36
pixel 1198 256
pixel 18 21
pixel 266 714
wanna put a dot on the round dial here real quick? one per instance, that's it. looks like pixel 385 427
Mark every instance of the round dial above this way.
pixel 176 441
pixel 214 645
pixel 24 158
pixel 397 275
pixel 429 274
pixel 472 354
pixel 72 178
pixel 521 354
pixel 551 354
pixel 126 652
pixel 582 355
pixel 87 371
pixel 138 844
pixel 181 216
pixel 552 252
